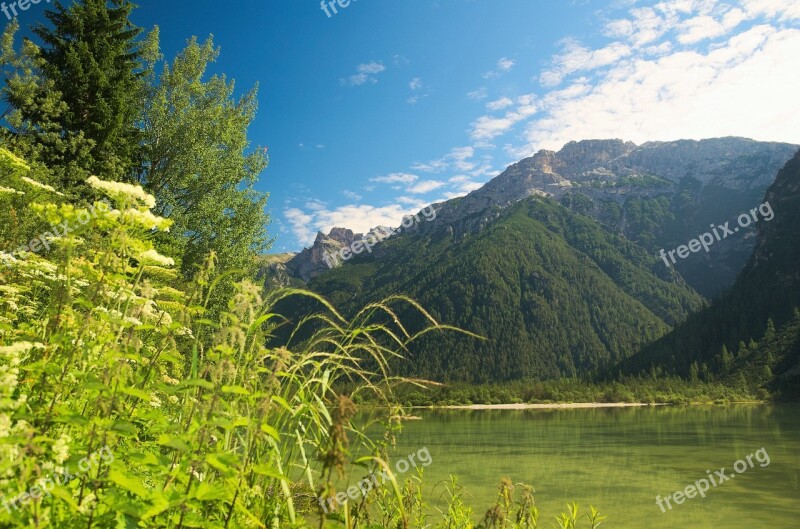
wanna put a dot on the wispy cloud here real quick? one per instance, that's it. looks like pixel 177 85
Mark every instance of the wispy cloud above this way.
pixel 499 104
pixel 359 218
pixel 503 65
pixel 477 95
pixel 457 159
pixel 425 186
pixel 396 178
pixel 366 73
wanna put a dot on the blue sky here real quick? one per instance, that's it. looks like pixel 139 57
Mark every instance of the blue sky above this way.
pixel 389 105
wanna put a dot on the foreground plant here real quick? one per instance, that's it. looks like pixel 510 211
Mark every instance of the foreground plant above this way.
pixel 123 405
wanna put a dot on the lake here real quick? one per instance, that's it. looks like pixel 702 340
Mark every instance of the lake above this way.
pixel 619 460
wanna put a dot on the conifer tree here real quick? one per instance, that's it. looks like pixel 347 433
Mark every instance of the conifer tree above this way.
pixel 77 97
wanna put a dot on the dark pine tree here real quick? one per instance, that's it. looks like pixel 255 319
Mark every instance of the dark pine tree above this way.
pixel 93 59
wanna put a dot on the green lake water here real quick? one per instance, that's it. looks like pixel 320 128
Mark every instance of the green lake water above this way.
pixel 619 460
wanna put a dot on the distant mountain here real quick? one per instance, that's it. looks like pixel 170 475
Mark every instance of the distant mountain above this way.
pixel 554 293
pixel 659 195
pixel 320 258
pixel 555 261
pixel 752 334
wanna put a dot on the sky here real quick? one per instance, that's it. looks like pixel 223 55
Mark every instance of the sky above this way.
pixel 375 110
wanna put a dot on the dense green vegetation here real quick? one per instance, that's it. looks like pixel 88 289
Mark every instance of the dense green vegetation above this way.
pixel 554 293
pixel 88 100
pixel 668 219
pixel 137 388
pixel 113 373
pixel 751 335
pixel 662 390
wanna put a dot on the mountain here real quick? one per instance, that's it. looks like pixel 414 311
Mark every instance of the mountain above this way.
pixel 313 261
pixel 553 292
pixel 556 260
pixel 752 334
pixel 659 195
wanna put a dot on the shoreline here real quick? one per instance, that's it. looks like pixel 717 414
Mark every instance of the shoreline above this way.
pixel 552 406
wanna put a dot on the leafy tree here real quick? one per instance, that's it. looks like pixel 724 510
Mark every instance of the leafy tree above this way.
pixel 198 162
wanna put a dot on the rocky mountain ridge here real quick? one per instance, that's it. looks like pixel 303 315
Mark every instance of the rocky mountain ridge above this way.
pixel 594 177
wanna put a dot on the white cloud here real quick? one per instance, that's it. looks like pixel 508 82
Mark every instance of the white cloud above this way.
pixel 458 159
pixel 425 186
pixel 315 204
pixel 366 73
pixel 477 95
pixel 488 127
pixel 415 83
pixel 396 178
pixel 503 65
pixel 704 27
pixel 741 86
pixel 576 58
pixel 352 196
pixel 301 224
pixel 359 218
pixel 499 104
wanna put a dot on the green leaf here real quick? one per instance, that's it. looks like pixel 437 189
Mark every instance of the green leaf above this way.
pixel 137 393
pixel 238 390
pixel 272 432
pixel 174 442
pixel 131 484
pixel 208 492
pixel 197 382
pixel 125 429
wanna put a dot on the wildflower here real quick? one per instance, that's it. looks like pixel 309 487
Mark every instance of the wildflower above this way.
pixel 13 160
pixel 173 399
pixel 40 185
pixel 7 258
pixel 155 402
pixel 199 476
pixel 153 257
pixel 5 425
pixel 146 219
pixel 122 192
pixel 19 347
pixel 61 448
pixel 172 381
pixel 10 191
pixel 87 504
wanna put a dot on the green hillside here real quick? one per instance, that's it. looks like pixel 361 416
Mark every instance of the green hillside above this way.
pixel 752 334
pixel 553 292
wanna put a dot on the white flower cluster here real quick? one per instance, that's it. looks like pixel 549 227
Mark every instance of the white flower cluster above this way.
pixel 152 257
pixel 34 183
pixel 10 191
pixel 122 192
pixel 61 449
pixel 9 369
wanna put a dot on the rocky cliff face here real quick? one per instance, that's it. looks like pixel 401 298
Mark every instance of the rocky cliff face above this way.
pixel 315 260
pixel 618 170
pixel 604 171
